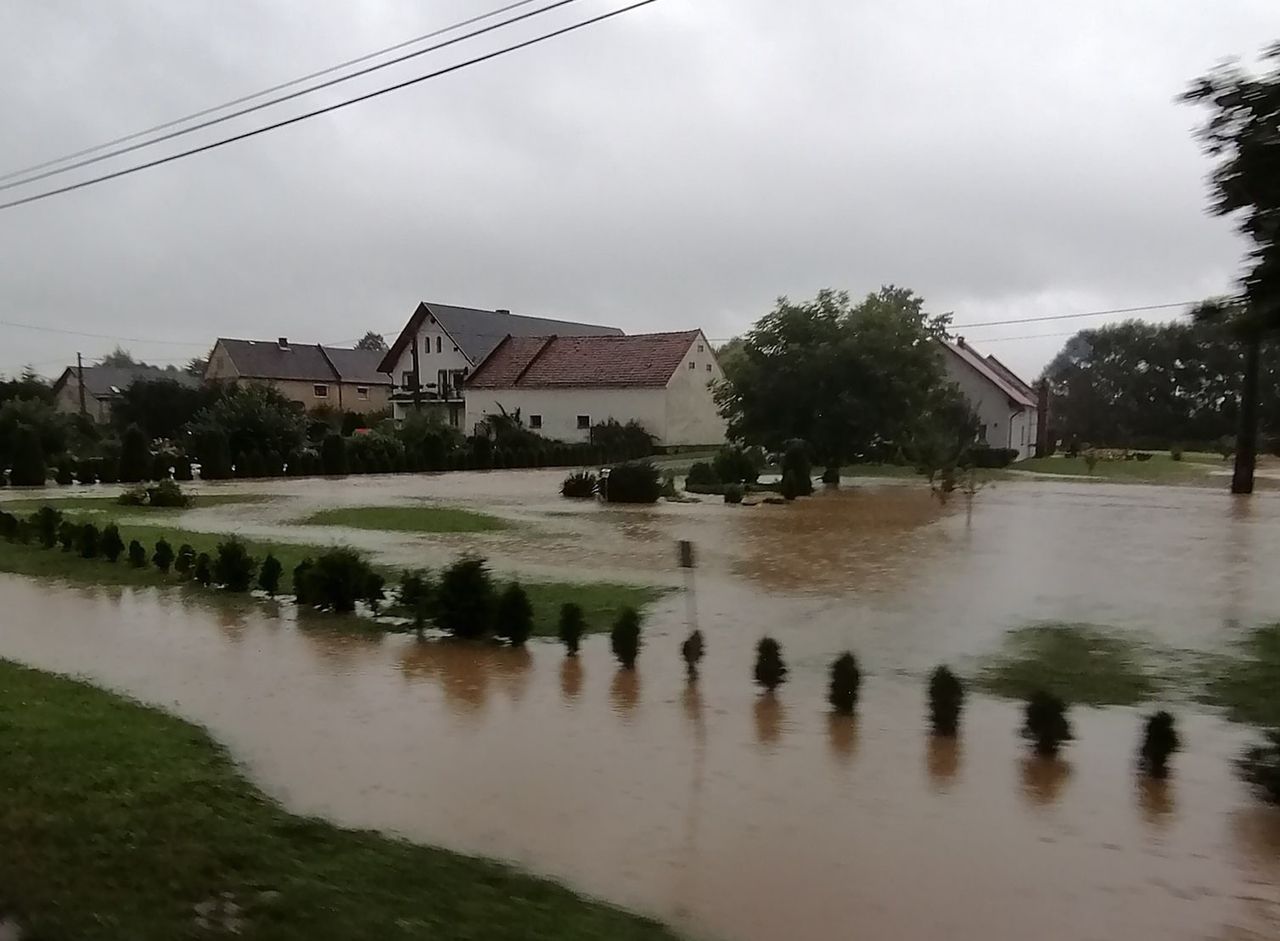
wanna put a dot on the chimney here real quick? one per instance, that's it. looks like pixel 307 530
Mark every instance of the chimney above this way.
pixel 502 310
pixel 283 343
pixel 960 342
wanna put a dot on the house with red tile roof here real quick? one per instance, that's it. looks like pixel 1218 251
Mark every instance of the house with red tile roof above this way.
pixel 562 385
pixel 1006 406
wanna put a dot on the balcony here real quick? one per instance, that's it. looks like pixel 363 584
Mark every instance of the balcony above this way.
pixel 431 392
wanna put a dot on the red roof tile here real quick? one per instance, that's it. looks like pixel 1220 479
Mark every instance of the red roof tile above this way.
pixel 641 360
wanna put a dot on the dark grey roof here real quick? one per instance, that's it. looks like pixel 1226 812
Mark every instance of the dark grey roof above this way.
pixel 477 331
pixel 305 362
pixel 105 381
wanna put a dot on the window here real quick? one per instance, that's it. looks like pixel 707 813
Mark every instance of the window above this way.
pixel 362 392
pixel 708 367
pixel 426 346
pixel 535 421
pixel 699 347
pixel 320 390
pixel 584 422
pixel 693 365
pixel 437 344
pixel 406 379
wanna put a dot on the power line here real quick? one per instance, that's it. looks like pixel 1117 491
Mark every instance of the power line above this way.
pixel 96 336
pixel 283 98
pixel 328 108
pixel 266 91
pixel 1029 336
pixel 1087 313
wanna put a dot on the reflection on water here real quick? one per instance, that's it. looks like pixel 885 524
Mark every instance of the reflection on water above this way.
pixel 741 816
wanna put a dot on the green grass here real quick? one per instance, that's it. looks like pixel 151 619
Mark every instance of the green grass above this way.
pixel 1160 469
pixel 1079 662
pixel 119 820
pixel 108 504
pixel 408 519
pixel 1246 682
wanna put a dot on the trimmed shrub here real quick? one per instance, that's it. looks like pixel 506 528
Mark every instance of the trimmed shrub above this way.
pixel 112 545
pixel 185 561
pixel 1045 724
pixel 162 558
pixel 831 476
pixel 624 639
pixel 991 457
pixel 417 596
pixel 633 482
pixel 68 534
pixel 579 485
pixel 28 468
pixel 269 575
pixel 797 472
pixel 733 465
pixel 464 599
pixel 770 671
pixel 134 496
pixel 333 455
pixel 8 525
pixel 846 683
pixel 66 472
pixel 1159 741
pixel 691 651
pixel 202 571
pixel 946 700
pixel 302 583
pixel 167 493
pixel 1259 767
pixel 700 472
pixel 234 566
pixel 137 555
pixel 182 468
pixel 514 619
pixel 135 455
pixel 46 522
pixel 1176 452
pixel 572 626
pixel 338 579
pixel 733 493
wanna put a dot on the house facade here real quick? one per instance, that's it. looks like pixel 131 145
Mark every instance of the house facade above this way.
pixel 103 385
pixel 564 385
pixel 441 345
pixel 1006 406
pixel 311 374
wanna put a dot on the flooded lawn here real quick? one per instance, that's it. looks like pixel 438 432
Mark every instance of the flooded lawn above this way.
pixel 725 814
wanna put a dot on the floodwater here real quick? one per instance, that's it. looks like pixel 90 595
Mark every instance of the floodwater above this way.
pixel 732 815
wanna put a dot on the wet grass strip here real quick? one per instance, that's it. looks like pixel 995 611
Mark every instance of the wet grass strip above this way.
pixel 1246 681
pixel 120 821
pixel 408 519
pixel 109 504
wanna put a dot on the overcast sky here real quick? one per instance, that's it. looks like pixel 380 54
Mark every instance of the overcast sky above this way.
pixel 679 166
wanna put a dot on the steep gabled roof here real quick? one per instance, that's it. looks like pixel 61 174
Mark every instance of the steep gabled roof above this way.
pixel 645 360
pixel 1011 377
pixel 970 357
pixel 104 381
pixel 476 332
pixel 303 362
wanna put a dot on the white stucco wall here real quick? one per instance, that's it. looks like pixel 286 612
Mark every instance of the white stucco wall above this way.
pixel 560 409
pixel 430 335
pixel 1004 424
pixel 692 418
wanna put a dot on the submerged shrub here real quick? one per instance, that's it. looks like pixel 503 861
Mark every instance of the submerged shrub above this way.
pixel 579 485
pixel 1259 767
pixel 185 561
pixel 46 522
pixel 68 533
pixel 88 542
pixel 162 558
pixel 633 482
pixel 770 671
pixel 167 493
pixel 8 525
pixel 701 474
pixel 846 681
pixel 624 639
pixel 946 699
pixel 733 493
pixel 464 599
pixel 691 651
pixel 234 566
pixel 338 579
pixel 797 472
pixel 514 619
pixel 202 571
pixel 112 545
pixel 269 574
pixel 734 465
pixel 302 582
pixel 1159 741
pixel 137 555
pixel 417 596
pixel 572 626
pixel 1045 724
pixel 134 496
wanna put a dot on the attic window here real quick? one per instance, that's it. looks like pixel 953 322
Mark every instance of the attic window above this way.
pixel 708 367
pixel 693 365
pixel 437 344
pixel 699 347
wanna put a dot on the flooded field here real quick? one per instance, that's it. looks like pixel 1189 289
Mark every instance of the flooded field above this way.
pixel 725 814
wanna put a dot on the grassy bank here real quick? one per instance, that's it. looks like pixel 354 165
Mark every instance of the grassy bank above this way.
pixel 600 601
pixel 408 519
pixel 1161 469
pixel 108 504
pixel 120 821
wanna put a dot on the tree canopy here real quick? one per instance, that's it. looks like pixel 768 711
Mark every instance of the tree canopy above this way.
pixel 851 379
pixel 253 417
pixel 373 342
pixel 161 407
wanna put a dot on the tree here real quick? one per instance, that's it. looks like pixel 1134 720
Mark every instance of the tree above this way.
pixel 252 417
pixel 185 560
pixel 112 545
pixel 214 452
pixel 30 385
pixel 1242 134
pixel 946 699
pixel 68 533
pixel 373 342
pixel 161 407
pixel 846 679
pixel 28 468
pixel 336 581
pixel 162 558
pixel 121 358
pixel 52 428
pixel 135 456
pixel 464 599
pixel 572 626
pixel 233 567
pixel 417 595
pixel 770 670
pixel 137 555
pixel 88 541
pixel 514 619
pixel 1045 723
pixel 1159 741
pixel 47 521
pixel 849 379
pixel 624 638
pixel 691 651
pixel 202 571
pixel 269 575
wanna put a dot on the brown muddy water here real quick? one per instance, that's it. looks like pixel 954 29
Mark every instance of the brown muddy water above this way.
pixel 733 816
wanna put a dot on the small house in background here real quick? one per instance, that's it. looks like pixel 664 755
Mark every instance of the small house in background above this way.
pixel 314 375
pixel 1006 406
pixel 441 344
pixel 562 385
pixel 103 385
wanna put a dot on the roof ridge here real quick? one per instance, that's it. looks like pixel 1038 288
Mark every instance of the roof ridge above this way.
pixel 542 348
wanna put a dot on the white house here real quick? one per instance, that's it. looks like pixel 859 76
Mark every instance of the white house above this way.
pixel 442 343
pixel 563 385
pixel 1006 406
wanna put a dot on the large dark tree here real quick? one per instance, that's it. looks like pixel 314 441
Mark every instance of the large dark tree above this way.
pixel 253 417
pixel 161 407
pixel 372 342
pixel 30 385
pixel 849 379
pixel 1242 134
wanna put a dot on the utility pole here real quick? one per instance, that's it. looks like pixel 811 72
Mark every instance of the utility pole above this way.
pixel 417 378
pixel 80 376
